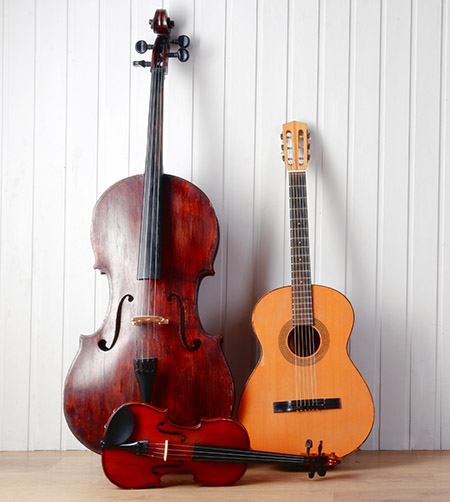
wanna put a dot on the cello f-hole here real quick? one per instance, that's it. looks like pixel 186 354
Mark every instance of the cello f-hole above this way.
pixel 102 343
pixel 196 343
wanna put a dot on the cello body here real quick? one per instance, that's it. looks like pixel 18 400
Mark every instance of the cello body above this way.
pixel 192 377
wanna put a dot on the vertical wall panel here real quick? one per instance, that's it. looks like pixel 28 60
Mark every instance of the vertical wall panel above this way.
pixel 270 177
pixel 425 134
pixel 239 165
pixel 444 250
pixel 330 245
pixel 16 240
pixel 81 178
pixel 393 402
pixel 362 216
pixel 48 226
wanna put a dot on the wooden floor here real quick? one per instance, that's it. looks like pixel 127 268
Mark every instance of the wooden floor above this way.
pixel 363 476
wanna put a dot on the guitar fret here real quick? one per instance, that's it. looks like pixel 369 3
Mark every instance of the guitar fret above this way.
pixel 299 240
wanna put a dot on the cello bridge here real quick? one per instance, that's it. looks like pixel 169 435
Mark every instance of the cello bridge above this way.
pixel 147 319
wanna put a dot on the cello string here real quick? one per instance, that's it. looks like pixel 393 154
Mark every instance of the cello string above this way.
pixel 142 286
pixel 158 161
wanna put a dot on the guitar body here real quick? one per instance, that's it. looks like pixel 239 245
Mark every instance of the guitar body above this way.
pixel 282 376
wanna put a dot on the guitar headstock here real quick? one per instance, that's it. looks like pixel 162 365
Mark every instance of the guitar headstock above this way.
pixel 295 146
pixel 162 25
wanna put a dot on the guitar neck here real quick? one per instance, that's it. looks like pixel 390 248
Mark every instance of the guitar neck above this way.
pixel 302 313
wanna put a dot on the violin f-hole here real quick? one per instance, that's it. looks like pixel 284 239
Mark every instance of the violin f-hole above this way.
pixel 102 343
pixel 196 343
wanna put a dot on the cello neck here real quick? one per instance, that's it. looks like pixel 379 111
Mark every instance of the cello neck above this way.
pixel 149 265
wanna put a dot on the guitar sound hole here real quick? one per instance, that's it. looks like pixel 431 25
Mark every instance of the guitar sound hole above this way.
pixel 304 341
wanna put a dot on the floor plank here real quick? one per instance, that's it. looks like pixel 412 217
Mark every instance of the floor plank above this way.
pixel 363 476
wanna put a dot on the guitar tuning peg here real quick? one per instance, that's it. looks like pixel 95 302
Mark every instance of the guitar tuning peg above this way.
pixel 142 47
pixel 308 445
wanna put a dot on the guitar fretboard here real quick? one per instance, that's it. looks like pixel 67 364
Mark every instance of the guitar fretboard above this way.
pixel 302 314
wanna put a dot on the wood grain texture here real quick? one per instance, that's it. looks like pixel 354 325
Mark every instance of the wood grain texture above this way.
pixel 192 378
pixel 331 376
pixel 372 476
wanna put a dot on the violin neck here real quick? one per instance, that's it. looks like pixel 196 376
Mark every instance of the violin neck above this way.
pixel 149 265
pixel 207 453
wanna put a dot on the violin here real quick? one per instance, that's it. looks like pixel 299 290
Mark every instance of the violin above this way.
pixel 155 237
pixel 141 445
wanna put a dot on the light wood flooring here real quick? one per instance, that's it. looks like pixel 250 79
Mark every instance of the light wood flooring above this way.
pixel 362 476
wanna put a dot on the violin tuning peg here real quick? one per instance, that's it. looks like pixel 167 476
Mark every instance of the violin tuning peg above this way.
pixel 142 47
pixel 319 449
pixel 308 445
pixel 311 473
pixel 144 64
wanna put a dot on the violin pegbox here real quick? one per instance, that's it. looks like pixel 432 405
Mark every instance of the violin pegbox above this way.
pixel 162 25
pixel 295 146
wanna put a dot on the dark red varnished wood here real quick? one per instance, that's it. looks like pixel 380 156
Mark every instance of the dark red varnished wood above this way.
pixel 192 382
pixel 128 470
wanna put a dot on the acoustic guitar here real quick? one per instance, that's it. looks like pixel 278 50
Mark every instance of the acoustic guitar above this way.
pixel 305 384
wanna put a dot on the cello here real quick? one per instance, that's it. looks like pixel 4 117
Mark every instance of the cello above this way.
pixel 155 237
pixel 305 384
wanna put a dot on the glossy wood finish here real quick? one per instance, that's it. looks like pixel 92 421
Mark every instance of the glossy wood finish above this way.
pixel 331 375
pixel 128 470
pixel 192 378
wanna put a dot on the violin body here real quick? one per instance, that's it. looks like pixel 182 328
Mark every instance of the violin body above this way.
pixel 329 373
pixel 128 470
pixel 141 445
pixel 192 377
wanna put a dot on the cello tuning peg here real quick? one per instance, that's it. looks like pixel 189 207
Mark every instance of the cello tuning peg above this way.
pixel 181 54
pixel 144 64
pixel 183 41
pixel 142 47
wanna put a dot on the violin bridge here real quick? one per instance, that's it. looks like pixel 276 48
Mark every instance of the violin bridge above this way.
pixel 146 319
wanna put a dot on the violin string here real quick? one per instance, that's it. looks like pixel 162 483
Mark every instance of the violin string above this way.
pixel 158 450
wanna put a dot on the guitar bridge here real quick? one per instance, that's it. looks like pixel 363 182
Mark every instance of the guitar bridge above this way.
pixel 307 405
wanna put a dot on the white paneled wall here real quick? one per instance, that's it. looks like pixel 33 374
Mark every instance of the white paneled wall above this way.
pixel 371 79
